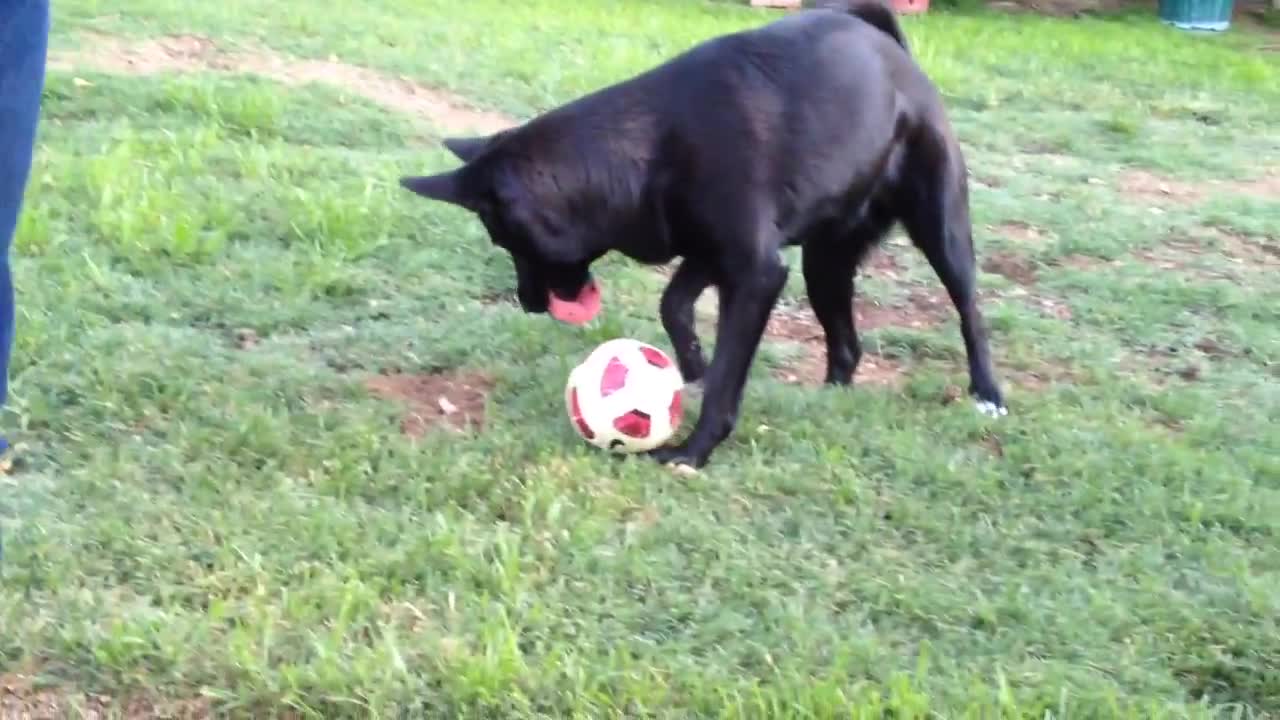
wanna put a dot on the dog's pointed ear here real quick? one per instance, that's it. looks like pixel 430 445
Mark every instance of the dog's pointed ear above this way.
pixel 466 149
pixel 445 187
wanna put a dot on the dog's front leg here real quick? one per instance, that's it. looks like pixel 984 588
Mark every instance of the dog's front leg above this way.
pixel 746 301
pixel 689 281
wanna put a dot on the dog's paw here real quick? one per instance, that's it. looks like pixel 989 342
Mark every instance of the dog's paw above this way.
pixel 683 470
pixel 990 409
pixel 678 457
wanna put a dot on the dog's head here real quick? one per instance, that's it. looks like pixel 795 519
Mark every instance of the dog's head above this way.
pixel 521 206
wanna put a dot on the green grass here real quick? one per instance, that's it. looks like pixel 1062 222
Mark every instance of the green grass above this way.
pixel 248 526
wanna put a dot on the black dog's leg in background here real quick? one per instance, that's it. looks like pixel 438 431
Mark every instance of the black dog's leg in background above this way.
pixel 830 263
pixel 938 223
pixel 687 284
pixel 747 297
pixel 828 277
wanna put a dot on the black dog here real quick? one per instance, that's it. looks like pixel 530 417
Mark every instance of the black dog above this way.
pixel 818 129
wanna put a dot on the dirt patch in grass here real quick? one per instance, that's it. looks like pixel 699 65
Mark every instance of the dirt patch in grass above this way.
pixel 1264 252
pixel 1185 369
pixel 810 368
pixel 880 262
pixel 452 400
pixel 1266 185
pixel 923 308
pixel 1212 348
pixel 1052 8
pixel 1213 253
pixel 1041 377
pixel 245 338
pixel 1162 367
pixel 1046 304
pixel 1013 267
pixel 20 699
pixel 1174 254
pixel 1032 379
pixel 1077 261
pixel 1042 155
pixel 1235 255
pixel 1151 187
pixel 1019 232
pixel 797 324
pixel 192 53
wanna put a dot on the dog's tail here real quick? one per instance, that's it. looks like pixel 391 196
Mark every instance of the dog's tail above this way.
pixel 874 12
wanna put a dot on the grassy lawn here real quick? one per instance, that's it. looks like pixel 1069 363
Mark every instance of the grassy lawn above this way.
pixel 216 512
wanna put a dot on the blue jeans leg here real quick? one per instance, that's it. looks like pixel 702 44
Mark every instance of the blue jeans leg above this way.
pixel 24 38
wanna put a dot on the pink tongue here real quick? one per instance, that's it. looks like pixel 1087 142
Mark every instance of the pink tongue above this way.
pixel 578 311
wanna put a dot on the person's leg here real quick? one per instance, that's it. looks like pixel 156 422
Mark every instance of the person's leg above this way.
pixel 24 36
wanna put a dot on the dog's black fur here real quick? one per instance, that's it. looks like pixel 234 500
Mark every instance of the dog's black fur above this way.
pixel 817 129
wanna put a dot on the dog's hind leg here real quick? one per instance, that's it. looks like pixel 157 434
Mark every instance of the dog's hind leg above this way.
pixel 830 261
pixel 691 278
pixel 935 212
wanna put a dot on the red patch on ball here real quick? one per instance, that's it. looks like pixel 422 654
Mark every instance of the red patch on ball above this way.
pixel 634 424
pixel 613 378
pixel 655 357
pixel 577 416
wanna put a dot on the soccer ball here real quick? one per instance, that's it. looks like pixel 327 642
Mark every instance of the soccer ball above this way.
pixel 625 397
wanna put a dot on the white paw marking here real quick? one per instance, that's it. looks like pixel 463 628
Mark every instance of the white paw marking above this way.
pixel 990 409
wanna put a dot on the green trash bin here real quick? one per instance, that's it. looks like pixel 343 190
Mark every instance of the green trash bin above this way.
pixel 1211 15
